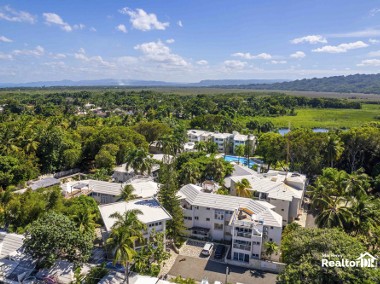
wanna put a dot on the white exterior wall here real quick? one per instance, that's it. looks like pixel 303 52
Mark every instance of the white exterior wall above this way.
pixel 104 198
pixel 282 208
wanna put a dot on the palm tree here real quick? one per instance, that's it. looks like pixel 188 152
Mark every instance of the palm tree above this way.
pixel 130 221
pixel 122 245
pixel 334 149
pixel 127 193
pixel 140 160
pixel 85 221
pixel 242 188
pixel 200 146
pixel 270 248
pixel 239 150
pixel 190 173
pixel 333 213
pixel 126 231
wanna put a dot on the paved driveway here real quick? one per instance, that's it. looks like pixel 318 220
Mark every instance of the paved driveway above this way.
pixel 199 268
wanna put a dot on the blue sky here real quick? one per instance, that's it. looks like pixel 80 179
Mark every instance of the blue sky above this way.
pixel 187 41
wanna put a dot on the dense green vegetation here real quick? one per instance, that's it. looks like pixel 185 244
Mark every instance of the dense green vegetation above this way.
pixel 358 83
pixel 303 250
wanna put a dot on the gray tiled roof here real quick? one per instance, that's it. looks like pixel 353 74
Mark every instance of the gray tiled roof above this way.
pixel 45 182
pixel 9 243
pixel 195 197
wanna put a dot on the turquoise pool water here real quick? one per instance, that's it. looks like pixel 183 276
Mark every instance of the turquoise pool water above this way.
pixel 242 160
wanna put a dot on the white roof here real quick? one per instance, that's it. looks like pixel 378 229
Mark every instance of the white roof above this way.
pixel 196 197
pixel 123 169
pixel 160 157
pixel 196 132
pixel 98 186
pixel 142 279
pixel 189 145
pixel 221 135
pixel 151 209
pixel 9 243
pixel 144 189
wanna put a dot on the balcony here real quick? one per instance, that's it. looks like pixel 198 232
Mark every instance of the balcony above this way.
pixel 243 235
pixel 242 247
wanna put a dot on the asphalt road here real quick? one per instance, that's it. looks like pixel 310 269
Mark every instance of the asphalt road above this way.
pixel 200 268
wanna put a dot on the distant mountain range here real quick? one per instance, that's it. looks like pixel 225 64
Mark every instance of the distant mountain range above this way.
pixel 134 83
pixel 358 83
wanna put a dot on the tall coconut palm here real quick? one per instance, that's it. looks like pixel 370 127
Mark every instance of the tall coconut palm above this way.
pixel 239 151
pixel 122 245
pixel 140 160
pixel 130 221
pixel 190 173
pixel 334 149
pixel 242 188
pixel 127 193
pixel 126 231
pixel 333 212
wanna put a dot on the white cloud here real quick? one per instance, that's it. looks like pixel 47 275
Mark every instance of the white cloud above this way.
pixel 92 29
pixel 97 60
pixel 373 41
pixel 122 28
pixel 143 21
pixel 312 39
pixel 374 11
pixel 159 52
pixel 170 40
pixel 179 23
pixel 55 19
pixel 234 64
pixel 341 48
pixel 370 62
pixel 298 55
pixel 279 62
pixel 9 14
pixel 362 33
pixel 79 27
pixel 247 55
pixel 202 62
pixel 5 39
pixel 4 56
pixel 38 51
pixel 374 53
pixel 58 55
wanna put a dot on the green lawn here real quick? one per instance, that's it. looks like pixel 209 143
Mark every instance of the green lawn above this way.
pixel 327 118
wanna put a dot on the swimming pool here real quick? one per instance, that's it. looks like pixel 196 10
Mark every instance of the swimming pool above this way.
pixel 242 160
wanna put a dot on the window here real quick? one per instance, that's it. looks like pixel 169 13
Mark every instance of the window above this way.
pixel 219 215
pixel 196 207
pixel 187 218
pixel 270 239
pixel 218 226
pixel 207 219
pixel 282 209
pixel 208 208
pixel 196 218
pixel 271 227
pixel 241 257
pixel 255 255
pixel 256 243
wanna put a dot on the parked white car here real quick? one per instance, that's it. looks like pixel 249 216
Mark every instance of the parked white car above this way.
pixel 207 249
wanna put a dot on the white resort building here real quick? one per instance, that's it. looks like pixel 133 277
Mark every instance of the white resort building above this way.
pixel 224 140
pixel 284 190
pixel 247 223
pixel 153 214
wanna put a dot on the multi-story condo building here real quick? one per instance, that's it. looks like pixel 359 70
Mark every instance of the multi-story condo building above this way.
pixel 284 190
pixel 153 214
pixel 226 142
pixel 247 223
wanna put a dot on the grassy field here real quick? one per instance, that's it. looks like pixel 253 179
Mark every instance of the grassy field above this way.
pixel 327 118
